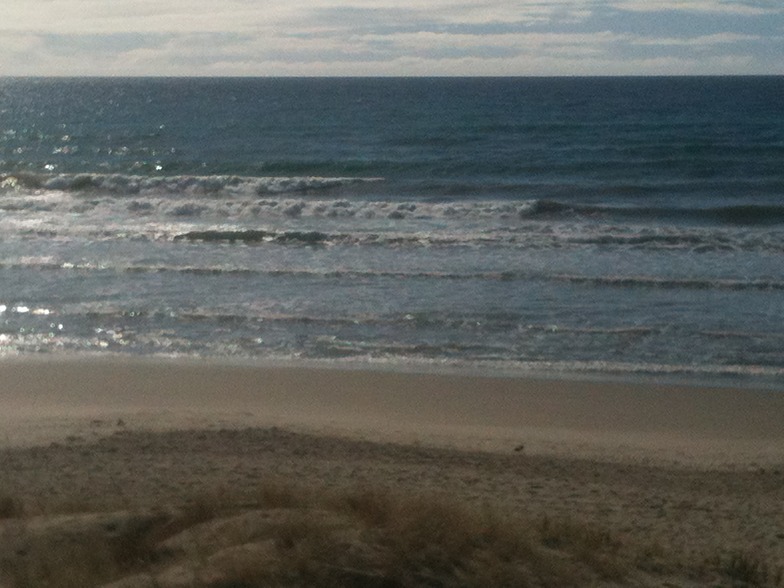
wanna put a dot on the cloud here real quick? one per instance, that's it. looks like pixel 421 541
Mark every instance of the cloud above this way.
pixel 379 37
pixel 161 16
pixel 142 16
pixel 698 41
pixel 701 6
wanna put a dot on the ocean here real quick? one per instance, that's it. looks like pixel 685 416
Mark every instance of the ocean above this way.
pixel 588 227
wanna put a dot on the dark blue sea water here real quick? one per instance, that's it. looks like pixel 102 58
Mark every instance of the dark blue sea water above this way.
pixel 587 226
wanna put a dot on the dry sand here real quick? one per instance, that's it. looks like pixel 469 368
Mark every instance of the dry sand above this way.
pixel 41 398
pixel 696 470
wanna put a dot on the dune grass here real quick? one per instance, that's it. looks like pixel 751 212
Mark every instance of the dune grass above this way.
pixel 289 535
pixel 10 507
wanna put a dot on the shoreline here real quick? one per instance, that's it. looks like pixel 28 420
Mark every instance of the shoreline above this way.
pixel 42 397
pixel 728 377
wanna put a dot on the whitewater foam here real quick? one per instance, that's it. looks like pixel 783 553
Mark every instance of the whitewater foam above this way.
pixel 119 185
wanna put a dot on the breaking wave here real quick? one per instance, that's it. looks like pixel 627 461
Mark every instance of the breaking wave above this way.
pixel 132 185
pixel 243 192
pixel 261 236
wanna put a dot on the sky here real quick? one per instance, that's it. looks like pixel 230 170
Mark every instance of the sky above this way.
pixel 391 38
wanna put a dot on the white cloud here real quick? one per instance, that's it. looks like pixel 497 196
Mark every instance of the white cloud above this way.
pixel 145 16
pixel 730 7
pixel 378 37
pixel 160 16
pixel 699 41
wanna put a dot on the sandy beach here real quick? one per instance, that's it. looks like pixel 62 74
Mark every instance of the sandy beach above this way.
pixel 696 471
pixel 43 397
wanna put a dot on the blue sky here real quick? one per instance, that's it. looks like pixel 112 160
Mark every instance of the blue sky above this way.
pixel 382 37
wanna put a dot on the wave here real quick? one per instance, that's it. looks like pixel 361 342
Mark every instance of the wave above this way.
pixel 612 281
pixel 672 283
pixel 509 323
pixel 697 242
pixel 668 240
pixel 133 185
pixel 247 188
pixel 544 237
pixel 249 218
pixel 245 196
pixel 261 236
pixel 320 238
pixel 740 214
pixel 418 234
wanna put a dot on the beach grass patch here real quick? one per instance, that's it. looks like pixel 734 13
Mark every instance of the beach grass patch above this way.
pixel 290 535
pixel 10 507
pixel 747 569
